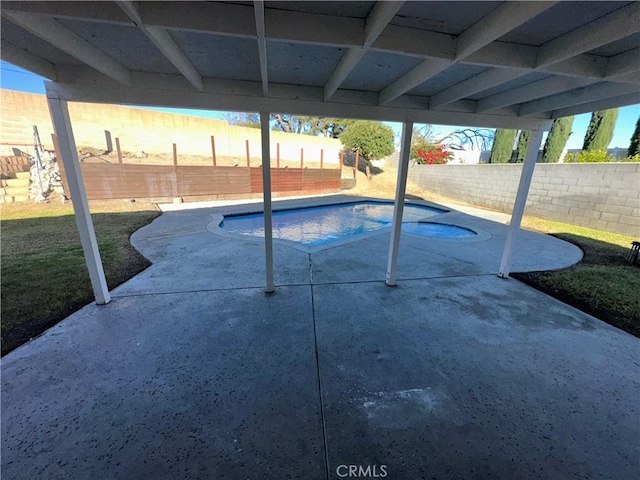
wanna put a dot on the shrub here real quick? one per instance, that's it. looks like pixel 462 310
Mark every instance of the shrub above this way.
pixel 373 140
pixel 425 153
pixel 523 144
pixel 502 148
pixel 600 129
pixel 634 145
pixel 557 139
pixel 592 156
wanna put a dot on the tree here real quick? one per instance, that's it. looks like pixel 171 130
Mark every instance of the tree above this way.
pixel 634 145
pixel 327 126
pixel 523 144
pixel 243 119
pixel 557 139
pixel 289 123
pixel 600 130
pixel 502 147
pixel 372 140
pixel 479 138
pixel 317 126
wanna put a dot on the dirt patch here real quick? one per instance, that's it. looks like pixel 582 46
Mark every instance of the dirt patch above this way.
pixel 383 185
pixel 94 155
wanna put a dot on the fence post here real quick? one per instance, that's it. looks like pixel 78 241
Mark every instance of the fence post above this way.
pixel 107 137
pixel 213 149
pixel 355 164
pixel 341 160
pixel 175 173
pixel 321 157
pixel 277 155
pixel 248 156
pixel 118 150
pixel 302 158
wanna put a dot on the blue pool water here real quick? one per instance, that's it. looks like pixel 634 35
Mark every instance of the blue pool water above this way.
pixel 319 225
pixel 437 230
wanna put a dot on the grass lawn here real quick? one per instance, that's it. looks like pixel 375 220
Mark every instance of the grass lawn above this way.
pixel 602 284
pixel 44 276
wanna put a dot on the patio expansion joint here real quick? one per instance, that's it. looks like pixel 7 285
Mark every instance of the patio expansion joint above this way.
pixel 201 290
pixel 411 279
pixel 317 355
pixel 305 284
pixel 435 252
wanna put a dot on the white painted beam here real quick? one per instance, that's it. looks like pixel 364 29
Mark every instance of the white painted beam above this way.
pixel 379 17
pixel 61 37
pixel 163 41
pixel 502 20
pixel 614 26
pixel 174 91
pixel 346 65
pixel 258 7
pixel 266 189
pixel 415 42
pixel 218 18
pixel 483 81
pixel 102 12
pixel 532 91
pixel 398 205
pixel 521 200
pixel 504 55
pixel 67 147
pixel 497 23
pixel 575 97
pixel 604 104
pixel 624 63
pixel 222 18
pixel 25 59
pixel 413 78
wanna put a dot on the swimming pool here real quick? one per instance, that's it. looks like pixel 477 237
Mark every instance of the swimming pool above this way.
pixel 321 225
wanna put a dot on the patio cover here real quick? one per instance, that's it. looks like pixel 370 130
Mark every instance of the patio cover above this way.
pixel 489 64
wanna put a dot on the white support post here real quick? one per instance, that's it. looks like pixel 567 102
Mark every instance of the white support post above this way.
pixel 67 147
pixel 398 207
pixel 521 199
pixel 266 189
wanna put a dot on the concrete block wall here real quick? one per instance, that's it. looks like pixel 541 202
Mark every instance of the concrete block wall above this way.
pixel 148 130
pixel 604 196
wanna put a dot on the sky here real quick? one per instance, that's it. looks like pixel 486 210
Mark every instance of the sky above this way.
pixel 15 78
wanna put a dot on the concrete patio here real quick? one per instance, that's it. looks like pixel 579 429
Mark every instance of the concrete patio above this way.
pixel 192 371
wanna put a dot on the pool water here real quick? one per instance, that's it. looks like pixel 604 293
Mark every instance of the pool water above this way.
pixel 437 230
pixel 320 225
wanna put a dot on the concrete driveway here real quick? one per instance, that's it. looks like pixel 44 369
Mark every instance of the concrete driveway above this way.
pixel 192 371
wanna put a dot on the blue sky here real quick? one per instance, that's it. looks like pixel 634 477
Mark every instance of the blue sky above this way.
pixel 15 78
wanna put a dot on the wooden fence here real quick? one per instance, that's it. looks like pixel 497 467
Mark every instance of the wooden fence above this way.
pixel 105 181
pixel 13 164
